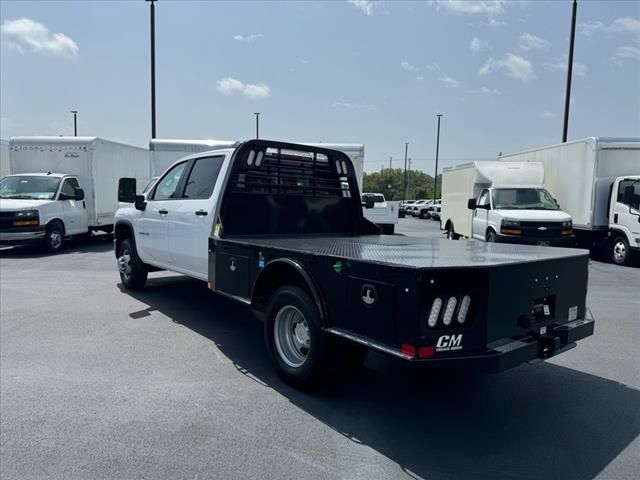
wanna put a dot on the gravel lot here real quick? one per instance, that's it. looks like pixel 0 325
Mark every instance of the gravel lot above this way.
pixel 174 382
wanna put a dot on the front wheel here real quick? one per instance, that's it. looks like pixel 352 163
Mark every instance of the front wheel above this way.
pixel 491 236
pixel 620 251
pixel 133 273
pixel 54 238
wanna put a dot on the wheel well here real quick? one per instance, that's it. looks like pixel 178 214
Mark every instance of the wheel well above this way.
pixel 448 224
pixel 278 274
pixel 59 222
pixel 490 229
pixel 122 231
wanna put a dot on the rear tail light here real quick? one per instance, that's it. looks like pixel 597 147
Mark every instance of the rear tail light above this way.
pixel 464 308
pixel 409 350
pixel 448 313
pixel 447 309
pixel 425 352
pixel 434 313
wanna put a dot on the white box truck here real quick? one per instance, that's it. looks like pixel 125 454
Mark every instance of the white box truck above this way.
pixel 4 158
pixel 596 180
pixel 64 186
pixel 502 202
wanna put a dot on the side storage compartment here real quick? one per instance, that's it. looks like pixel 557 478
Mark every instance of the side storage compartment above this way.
pixel 232 274
pixel 371 307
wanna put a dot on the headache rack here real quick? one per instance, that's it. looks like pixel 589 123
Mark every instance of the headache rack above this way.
pixel 291 172
pixel 276 188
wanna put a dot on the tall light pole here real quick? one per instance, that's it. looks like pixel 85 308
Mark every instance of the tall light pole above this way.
pixel 567 97
pixel 409 179
pixel 153 66
pixel 406 152
pixel 435 176
pixel 75 122
pixel 257 114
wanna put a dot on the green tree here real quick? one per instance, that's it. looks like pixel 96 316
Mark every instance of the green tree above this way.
pixel 389 182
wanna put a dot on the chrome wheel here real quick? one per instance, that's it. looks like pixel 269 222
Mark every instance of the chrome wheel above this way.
pixel 124 264
pixel 292 336
pixel 619 252
pixel 55 239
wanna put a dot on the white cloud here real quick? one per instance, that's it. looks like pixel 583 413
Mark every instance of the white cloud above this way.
pixel 408 67
pixel 489 91
pixel 450 82
pixel 420 78
pixel 248 38
pixel 348 105
pixel 547 115
pixel 619 25
pixel 27 34
pixel 489 8
pixel 478 45
pixel 513 66
pixel 628 52
pixel 230 86
pixel 433 67
pixel 368 7
pixel 531 42
pixel 579 69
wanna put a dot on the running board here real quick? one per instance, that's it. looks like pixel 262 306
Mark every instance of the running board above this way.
pixel 368 342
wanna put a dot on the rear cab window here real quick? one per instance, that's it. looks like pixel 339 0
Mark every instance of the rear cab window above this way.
pixel 202 178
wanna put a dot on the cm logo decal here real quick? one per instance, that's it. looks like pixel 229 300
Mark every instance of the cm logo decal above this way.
pixel 447 343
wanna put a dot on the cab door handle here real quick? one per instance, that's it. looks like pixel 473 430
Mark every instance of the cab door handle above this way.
pixel 201 213
pixel 163 211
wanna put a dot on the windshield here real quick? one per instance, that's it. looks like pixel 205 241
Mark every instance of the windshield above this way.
pixel 29 187
pixel 523 199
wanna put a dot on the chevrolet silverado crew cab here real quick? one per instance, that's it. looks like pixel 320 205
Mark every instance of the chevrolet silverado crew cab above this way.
pixel 280 227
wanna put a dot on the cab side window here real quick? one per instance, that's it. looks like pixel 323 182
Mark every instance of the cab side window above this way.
pixel 483 201
pixel 202 177
pixel 167 186
pixel 68 190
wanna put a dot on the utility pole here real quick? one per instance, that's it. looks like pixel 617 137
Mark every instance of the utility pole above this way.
pixel 435 176
pixel 257 114
pixel 75 122
pixel 404 183
pixel 409 179
pixel 153 66
pixel 567 98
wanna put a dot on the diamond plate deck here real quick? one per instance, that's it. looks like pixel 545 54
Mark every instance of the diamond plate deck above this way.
pixel 413 252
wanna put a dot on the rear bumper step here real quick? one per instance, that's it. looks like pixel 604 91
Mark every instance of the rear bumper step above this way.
pixel 500 358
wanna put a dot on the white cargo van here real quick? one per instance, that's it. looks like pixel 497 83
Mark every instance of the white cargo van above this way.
pixel 596 180
pixel 64 186
pixel 502 202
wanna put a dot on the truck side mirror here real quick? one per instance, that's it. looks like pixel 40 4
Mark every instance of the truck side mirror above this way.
pixel 471 204
pixel 127 190
pixel 369 202
pixel 79 194
pixel 139 202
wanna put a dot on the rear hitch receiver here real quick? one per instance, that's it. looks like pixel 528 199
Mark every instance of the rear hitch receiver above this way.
pixel 547 346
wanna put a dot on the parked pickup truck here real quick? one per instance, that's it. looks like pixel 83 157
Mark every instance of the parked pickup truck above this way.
pixel 327 284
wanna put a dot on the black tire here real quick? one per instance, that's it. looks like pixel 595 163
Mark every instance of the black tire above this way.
pixel 388 229
pixel 451 234
pixel 54 237
pixel 491 236
pixel 133 272
pixel 424 215
pixel 319 360
pixel 620 251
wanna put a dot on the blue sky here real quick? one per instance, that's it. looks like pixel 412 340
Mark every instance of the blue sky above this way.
pixel 363 72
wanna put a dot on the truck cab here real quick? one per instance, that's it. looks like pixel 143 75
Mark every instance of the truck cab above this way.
pixel 171 221
pixel 519 215
pixel 41 207
pixel 382 213
pixel 624 218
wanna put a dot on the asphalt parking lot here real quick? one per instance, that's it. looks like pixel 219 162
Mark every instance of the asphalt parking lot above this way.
pixel 174 382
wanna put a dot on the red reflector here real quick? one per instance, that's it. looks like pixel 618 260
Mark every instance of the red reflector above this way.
pixel 408 349
pixel 425 352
